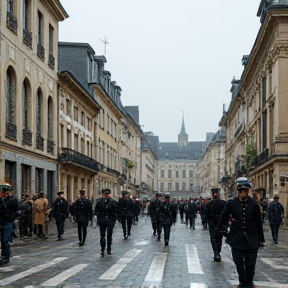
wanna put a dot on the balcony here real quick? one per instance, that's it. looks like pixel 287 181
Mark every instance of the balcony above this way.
pixel 51 60
pixel 71 156
pixel 11 131
pixel 50 146
pixel 11 22
pixel 112 171
pixel 39 142
pixel 264 155
pixel 26 137
pixel 27 38
pixel 40 51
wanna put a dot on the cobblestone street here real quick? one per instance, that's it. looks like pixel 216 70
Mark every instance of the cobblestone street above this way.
pixel 140 261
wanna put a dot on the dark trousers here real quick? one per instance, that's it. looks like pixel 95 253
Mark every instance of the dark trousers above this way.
pixel 245 261
pixel 5 231
pixel 166 228
pixel 181 215
pixel 60 225
pixel 82 230
pixel 216 239
pixel 154 226
pixel 103 227
pixel 274 230
pixel 158 227
pixel 191 220
pixel 126 222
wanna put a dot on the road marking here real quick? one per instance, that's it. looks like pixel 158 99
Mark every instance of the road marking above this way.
pixel 28 272
pixel 7 269
pixel 53 282
pixel 156 269
pixel 116 269
pixel 193 262
pixel 274 262
pixel 198 285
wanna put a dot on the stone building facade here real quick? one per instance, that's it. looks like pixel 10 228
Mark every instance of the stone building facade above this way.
pixel 28 89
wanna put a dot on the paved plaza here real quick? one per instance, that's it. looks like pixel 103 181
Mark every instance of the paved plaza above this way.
pixel 141 261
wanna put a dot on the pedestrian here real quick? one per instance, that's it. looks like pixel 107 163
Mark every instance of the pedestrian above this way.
pixel 202 214
pixel 246 231
pixel 275 217
pixel 106 212
pixel 154 214
pixel 83 211
pixel 137 209
pixel 174 210
pixel 181 209
pixel 26 216
pixel 41 210
pixel 213 210
pixel 166 217
pixel 191 212
pixel 125 213
pixel 8 209
pixel 60 213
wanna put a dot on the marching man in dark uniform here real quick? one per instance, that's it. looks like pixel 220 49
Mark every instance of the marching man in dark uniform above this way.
pixel 246 231
pixel 125 213
pixel 181 208
pixel 154 214
pixel 8 208
pixel 106 212
pixel 166 218
pixel 83 213
pixel 191 211
pixel 213 210
pixel 60 212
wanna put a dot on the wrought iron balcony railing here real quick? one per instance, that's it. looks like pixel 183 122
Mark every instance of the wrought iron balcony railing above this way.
pixel 113 171
pixel 11 22
pixel 27 38
pixel 11 131
pixel 50 146
pixel 40 142
pixel 26 137
pixel 51 61
pixel 40 51
pixel 69 155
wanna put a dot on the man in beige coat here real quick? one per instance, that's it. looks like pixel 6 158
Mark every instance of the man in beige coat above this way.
pixel 41 211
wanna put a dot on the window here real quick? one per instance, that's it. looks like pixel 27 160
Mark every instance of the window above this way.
pixel 264 130
pixel 169 173
pixel 88 123
pixel 76 144
pixel 82 118
pixel 69 140
pixel 183 173
pixel 184 187
pixel 190 173
pixel 10 6
pixel 162 174
pixel 177 187
pixel 88 148
pixel 39 179
pixel 26 105
pixel 10 95
pixel 40 24
pixel 162 187
pixel 169 186
pixel 177 174
pixel 61 144
pixel 27 35
pixel 75 113
pixel 263 92
pixel 39 112
pixel 68 108
pixel 191 187
pixel 82 146
pixel 51 46
pixel 50 119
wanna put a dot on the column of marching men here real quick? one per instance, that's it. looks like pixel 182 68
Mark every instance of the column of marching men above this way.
pixel 239 220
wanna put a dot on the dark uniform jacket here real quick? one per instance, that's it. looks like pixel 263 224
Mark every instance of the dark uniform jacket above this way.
pixel 153 208
pixel 246 230
pixel 60 208
pixel 165 213
pixel 213 209
pixel 275 212
pixel 83 210
pixel 8 209
pixel 106 211
pixel 191 209
pixel 125 207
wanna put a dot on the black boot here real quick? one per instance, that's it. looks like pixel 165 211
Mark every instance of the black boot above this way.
pixel 4 260
pixel 102 253
pixel 217 257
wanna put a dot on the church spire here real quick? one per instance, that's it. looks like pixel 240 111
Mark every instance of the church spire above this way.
pixel 183 132
pixel 183 136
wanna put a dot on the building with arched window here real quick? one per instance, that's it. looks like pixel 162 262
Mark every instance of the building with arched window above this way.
pixel 28 94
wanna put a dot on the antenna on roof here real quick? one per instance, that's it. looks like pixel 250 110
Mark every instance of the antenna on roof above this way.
pixel 105 44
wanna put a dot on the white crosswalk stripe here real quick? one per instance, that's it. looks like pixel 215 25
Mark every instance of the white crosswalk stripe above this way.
pixel 53 282
pixel 31 271
pixel 116 269
pixel 194 266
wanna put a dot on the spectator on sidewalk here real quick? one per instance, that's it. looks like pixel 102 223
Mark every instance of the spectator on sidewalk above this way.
pixel 275 216
pixel 41 210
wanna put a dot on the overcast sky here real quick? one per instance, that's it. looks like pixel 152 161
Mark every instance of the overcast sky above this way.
pixel 169 56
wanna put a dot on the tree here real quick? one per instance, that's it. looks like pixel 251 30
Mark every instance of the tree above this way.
pixel 250 154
